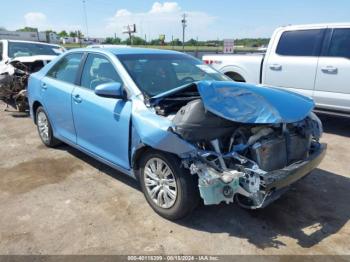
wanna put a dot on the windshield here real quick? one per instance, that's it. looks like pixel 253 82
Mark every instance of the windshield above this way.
pixel 17 49
pixel 158 73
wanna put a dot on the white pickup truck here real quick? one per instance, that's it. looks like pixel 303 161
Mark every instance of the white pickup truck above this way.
pixel 313 60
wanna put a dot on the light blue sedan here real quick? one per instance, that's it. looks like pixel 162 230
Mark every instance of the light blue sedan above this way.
pixel 184 130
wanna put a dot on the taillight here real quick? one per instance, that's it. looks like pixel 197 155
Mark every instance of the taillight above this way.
pixel 208 62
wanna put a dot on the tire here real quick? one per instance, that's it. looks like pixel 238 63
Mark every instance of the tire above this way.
pixel 44 128
pixel 176 179
pixel 235 77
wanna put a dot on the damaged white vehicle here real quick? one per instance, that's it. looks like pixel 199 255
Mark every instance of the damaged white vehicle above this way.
pixel 184 130
pixel 18 59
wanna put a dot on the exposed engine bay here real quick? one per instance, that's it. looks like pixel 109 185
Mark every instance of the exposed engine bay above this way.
pixel 249 162
pixel 14 80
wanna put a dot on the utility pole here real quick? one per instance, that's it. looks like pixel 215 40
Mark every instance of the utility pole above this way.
pixel 37 34
pixel 85 18
pixel 184 25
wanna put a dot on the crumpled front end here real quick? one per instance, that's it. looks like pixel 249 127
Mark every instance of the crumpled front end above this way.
pixel 248 184
pixel 14 79
pixel 245 143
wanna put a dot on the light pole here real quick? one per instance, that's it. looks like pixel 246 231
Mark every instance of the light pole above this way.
pixel 85 18
pixel 184 25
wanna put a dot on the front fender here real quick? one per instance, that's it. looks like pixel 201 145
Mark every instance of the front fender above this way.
pixel 151 130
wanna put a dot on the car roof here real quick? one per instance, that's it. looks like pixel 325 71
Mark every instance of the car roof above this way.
pixel 126 51
pixel 30 42
pixel 311 26
pixel 108 46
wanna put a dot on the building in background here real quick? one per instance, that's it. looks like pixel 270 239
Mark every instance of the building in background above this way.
pixel 48 37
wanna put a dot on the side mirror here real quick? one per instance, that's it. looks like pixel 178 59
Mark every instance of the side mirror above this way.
pixel 112 89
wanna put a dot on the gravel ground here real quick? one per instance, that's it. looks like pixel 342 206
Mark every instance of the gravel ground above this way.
pixel 60 201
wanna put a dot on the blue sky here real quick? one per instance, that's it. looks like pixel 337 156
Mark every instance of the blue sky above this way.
pixel 207 19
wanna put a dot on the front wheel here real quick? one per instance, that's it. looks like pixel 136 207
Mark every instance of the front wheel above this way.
pixel 45 129
pixel 169 188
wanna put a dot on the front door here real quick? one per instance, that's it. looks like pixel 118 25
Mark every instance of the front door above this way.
pixel 102 124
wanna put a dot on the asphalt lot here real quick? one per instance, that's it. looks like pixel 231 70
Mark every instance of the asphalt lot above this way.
pixel 60 201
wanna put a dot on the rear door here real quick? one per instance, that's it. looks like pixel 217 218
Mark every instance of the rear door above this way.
pixel 292 61
pixel 102 123
pixel 57 87
pixel 332 87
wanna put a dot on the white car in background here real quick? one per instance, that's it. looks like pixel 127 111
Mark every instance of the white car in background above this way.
pixel 19 59
pixel 313 60
pixel 33 54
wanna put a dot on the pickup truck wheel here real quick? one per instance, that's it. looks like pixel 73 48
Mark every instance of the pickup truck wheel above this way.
pixel 45 129
pixel 235 77
pixel 169 188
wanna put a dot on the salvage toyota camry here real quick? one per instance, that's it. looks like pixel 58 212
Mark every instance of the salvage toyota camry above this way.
pixel 182 129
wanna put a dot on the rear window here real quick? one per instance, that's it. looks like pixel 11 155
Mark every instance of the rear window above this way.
pixel 300 43
pixel 340 43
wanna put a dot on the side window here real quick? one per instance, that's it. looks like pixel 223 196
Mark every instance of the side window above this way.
pixel 340 43
pixel 300 43
pixel 98 70
pixel 67 68
pixel 1 51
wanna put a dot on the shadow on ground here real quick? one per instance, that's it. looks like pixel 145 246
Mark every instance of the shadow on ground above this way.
pixel 335 124
pixel 101 166
pixel 315 208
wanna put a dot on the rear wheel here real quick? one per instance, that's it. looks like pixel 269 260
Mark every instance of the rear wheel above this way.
pixel 45 129
pixel 235 77
pixel 169 188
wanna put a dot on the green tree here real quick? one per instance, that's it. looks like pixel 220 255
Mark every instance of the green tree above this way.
pixel 252 42
pixel 138 40
pixel 80 34
pixel 176 42
pixel 155 42
pixel 73 34
pixel 191 42
pixel 27 29
pixel 113 41
pixel 63 33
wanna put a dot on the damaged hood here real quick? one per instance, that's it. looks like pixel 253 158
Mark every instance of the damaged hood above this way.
pixel 247 103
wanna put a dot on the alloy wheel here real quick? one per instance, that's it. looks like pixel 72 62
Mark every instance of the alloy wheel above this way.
pixel 160 183
pixel 43 126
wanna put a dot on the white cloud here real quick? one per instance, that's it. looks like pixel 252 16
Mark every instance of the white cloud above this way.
pixel 40 21
pixel 162 18
pixel 122 12
pixel 35 19
pixel 167 7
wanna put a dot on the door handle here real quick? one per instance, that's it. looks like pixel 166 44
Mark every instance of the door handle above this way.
pixel 329 69
pixel 43 85
pixel 275 67
pixel 77 98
